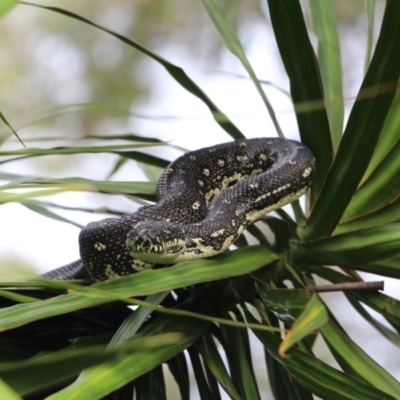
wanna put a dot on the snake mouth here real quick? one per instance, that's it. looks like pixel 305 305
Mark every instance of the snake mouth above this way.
pixel 167 256
pixel 158 242
pixel 148 247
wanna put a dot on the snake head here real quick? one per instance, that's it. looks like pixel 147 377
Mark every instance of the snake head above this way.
pixel 159 242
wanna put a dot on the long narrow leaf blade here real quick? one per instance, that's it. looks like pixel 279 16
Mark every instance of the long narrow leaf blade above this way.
pixel 388 137
pixel 96 382
pixel 354 360
pixel 228 35
pixel 209 351
pixel 321 379
pixel 383 216
pixel 359 247
pixel 305 84
pixel 313 317
pixel 390 268
pixel 7 393
pixel 363 128
pixel 370 11
pixel 234 263
pixel 325 27
pixel 6 5
pixel 379 189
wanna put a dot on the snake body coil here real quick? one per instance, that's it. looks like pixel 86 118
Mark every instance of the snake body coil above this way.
pixel 204 201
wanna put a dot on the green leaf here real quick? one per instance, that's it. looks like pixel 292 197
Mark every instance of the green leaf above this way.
pixel 330 63
pixel 370 9
pixel 379 189
pixel 313 317
pixel 96 382
pixel 198 370
pixel 232 42
pixel 133 155
pixel 2 117
pixel 390 268
pixel 385 215
pixel 151 172
pixel 355 361
pixel 321 379
pixel 305 83
pixel 387 306
pixel 34 152
pixel 229 264
pixel 43 210
pixel 100 210
pixel 150 385
pixel 282 382
pixel 144 158
pixel 19 197
pixel 388 138
pixel 286 304
pixel 363 129
pixel 7 393
pixel 209 351
pixel 176 72
pixel 17 297
pixel 135 320
pixel 384 330
pixel 45 370
pixel 237 348
pixel 6 5
pixel 360 247
pixel 48 186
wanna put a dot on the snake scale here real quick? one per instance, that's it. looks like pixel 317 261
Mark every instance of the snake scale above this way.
pixel 204 201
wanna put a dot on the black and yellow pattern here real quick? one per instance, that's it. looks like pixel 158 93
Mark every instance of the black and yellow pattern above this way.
pixel 205 199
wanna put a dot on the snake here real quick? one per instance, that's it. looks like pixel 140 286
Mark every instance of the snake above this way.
pixel 205 199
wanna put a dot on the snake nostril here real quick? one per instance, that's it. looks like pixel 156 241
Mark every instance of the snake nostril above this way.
pixel 147 244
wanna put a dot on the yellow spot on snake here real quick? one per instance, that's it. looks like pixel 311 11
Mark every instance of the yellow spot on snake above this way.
pixel 281 188
pixel 306 172
pixel 99 246
pixel 218 233
pixel 263 196
pixel 196 205
pixel 109 272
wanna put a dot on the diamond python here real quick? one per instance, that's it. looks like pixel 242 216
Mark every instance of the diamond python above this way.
pixel 204 201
